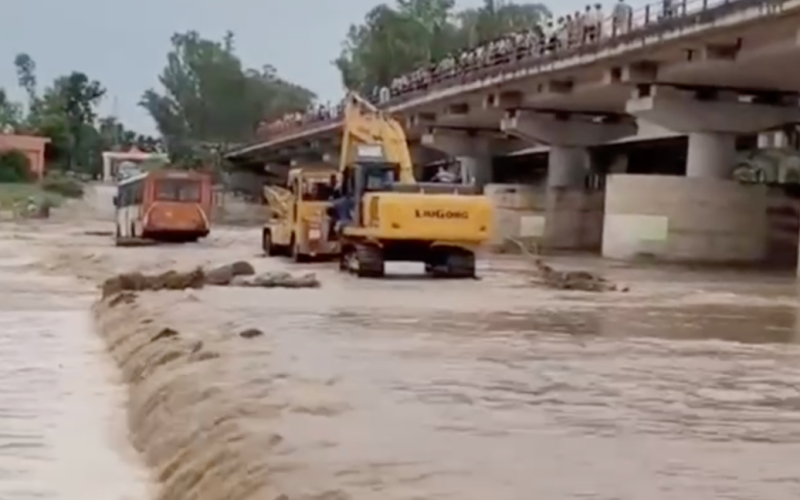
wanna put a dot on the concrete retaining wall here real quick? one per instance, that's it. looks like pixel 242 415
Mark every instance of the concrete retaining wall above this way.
pixel 520 213
pixel 684 219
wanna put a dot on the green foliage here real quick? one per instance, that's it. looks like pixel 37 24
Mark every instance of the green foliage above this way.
pixel 62 185
pixel 208 96
pixel 14 167
pixel 393 41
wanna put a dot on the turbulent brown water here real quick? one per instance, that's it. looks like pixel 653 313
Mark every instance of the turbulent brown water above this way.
pixel 60 404
pixel 406 388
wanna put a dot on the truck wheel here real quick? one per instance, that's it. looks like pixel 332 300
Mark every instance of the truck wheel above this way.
pixel 344 259
pixel 266 243
pixel 297 254
pixel 370 261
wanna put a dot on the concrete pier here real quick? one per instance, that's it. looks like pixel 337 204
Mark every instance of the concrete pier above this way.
pixel 684 219
pixel 711 155
pixel 705 216
pixel 570 211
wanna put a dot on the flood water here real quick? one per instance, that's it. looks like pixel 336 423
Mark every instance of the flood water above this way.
pixel 483 390
pixel 407 388
pixel 62 432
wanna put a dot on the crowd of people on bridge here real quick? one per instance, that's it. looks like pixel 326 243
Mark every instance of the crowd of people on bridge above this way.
pixel 565 33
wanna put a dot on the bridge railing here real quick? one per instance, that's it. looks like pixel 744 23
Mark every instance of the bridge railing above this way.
pixel 649 20
pixel 492 60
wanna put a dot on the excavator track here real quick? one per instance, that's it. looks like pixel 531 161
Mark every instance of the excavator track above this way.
pixel 369 261
pixel 452 264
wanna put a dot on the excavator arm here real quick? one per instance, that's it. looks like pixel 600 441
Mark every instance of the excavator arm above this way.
pixel 366 125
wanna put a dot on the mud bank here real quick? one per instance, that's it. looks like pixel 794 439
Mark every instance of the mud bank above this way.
pixel 205 436
pixel 180 419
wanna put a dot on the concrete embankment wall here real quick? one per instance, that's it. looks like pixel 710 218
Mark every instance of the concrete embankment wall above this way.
pixel 521 210
pixel 202 439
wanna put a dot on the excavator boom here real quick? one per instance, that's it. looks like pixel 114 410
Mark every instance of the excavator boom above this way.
pixel 366 125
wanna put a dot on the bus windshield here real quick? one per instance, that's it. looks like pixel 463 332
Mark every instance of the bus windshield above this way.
pixel 182 190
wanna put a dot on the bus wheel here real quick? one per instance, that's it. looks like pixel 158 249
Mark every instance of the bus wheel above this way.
pixel 266 243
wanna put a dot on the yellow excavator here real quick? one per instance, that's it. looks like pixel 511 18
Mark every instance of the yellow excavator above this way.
pixel 383 214
pixel 297 227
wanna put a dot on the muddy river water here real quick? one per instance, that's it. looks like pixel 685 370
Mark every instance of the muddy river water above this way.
pixel 688 386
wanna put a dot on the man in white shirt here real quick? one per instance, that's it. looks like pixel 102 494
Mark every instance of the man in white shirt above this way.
pixel 622 18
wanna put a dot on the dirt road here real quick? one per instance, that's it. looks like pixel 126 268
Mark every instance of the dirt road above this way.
pixel 408 388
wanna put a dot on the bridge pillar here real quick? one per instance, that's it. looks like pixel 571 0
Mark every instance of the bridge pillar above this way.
pixel 571 211
pixel 711 155
pixel 474 153
pixel 705 216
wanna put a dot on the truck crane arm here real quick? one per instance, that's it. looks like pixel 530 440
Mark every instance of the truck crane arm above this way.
pixel 279 199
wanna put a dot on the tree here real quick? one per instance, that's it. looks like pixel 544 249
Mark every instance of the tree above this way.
pixel 497 18
pixel 208 96
pixel 14 167
pixel 65 112
pixel 393 41
pixel 26 76
pixel 10 113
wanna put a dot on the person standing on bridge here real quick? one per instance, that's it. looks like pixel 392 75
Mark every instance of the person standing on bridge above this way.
pixel 622 18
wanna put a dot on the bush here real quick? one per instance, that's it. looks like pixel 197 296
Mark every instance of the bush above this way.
pixel 60 184
pixel 14 167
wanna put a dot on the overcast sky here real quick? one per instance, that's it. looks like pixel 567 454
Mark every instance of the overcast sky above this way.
pixel 123 44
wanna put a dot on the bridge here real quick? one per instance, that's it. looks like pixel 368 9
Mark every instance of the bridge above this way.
pixel 711 70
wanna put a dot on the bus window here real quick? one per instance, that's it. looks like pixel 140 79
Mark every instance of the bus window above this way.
pixel 178 190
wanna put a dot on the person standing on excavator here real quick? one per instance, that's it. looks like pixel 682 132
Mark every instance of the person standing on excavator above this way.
pixel 341 208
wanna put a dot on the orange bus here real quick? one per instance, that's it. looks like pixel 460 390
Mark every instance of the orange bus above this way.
pixel 164 205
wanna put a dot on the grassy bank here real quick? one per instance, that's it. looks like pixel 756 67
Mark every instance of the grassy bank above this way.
pixel 18 194
pixel 52 191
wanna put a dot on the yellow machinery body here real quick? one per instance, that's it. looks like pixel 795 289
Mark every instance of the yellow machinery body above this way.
pixel 298 225
pixel 442 225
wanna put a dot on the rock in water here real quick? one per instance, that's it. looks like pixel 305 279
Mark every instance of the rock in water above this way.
pixel 251 333
pixel 574 280
pixel 223 275
pixel 242 268
pixel 285 280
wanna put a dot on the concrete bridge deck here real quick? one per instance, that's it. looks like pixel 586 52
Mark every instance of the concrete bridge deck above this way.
pixel 726 43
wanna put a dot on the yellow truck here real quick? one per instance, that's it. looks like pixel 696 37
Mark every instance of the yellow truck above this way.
pixel 382 214
pixel 298 226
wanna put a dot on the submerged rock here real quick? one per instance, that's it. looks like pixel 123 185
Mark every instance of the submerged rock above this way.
pixel 251 333
pixel 224 275
pixel 240 274
pixel 574 280
pixel 285 280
